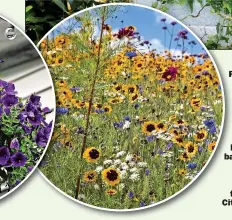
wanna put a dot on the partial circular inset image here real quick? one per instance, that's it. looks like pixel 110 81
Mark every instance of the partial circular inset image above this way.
pixel 140 107
pixel 27 103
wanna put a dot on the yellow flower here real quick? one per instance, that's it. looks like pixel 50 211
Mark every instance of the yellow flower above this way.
pixel 160 127
pixel 111 192
pixel 90 176
pixel 182 172
pixel 107 109
pixel 200 135
pixel 211 146
pixel 111 176
pixel 185 157
pixel 148 127
pixel 91 154
pixel 191 148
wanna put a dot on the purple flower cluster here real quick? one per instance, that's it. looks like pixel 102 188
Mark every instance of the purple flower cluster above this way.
pixel 183 34
pixel 24 131
pixel 8 97
pixel 7 159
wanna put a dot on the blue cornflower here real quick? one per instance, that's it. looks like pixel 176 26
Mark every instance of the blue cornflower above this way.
pixel 142 204
pixel 130 195
pixel 75 89
pixel 192 166
pixel 210 124
pixel 127 118
pixel 136 106
pixel 61 110
pixel 118 124
pixel 131 54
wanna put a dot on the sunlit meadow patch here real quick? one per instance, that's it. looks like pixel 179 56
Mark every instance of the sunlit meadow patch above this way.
pixel 139 107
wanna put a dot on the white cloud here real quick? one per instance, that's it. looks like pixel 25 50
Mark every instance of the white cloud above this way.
pixel 156 44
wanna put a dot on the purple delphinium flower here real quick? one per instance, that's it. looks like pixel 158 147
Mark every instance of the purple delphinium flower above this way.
pixel 42 135
pixel 130 195
pixel 14 144
pixel 61 110
pixel 18 159
pixel 4 155
pixel 192 165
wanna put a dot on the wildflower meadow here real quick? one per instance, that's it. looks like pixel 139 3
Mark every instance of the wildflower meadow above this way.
pixel 139 106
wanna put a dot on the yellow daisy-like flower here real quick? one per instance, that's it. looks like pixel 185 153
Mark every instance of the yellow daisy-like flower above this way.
pixel 62 83
pixel 129 89
pixel 107 109
pixel 116 100
pixel 90 176
pixel 178 140
pixel 191 148
pixel 182 172
pixel 211 146
pixel 148 127
pixel 185 157
pixel 160 127
pixel 196 103
pixel 111 176
pixel 200 135
pixel 91 154
pixel 111 192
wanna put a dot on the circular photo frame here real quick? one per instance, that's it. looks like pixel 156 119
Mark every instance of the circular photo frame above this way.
pixel 27 104
pixel 140 107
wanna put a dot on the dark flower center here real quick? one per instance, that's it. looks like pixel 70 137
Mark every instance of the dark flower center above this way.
pixel 200 135
pixel 91 176
pixel 190 149
pixel 94 154
pixel 185 155
pixel 160 125
pixel 131 90
pixel 180 140
pixel 112 175
pixel 150 128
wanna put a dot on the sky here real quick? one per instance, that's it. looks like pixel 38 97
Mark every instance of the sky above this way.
pixel 149 25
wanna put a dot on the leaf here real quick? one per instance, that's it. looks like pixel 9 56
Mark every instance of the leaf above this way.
pixel 35 19
pixel 190 4
pixel 28 8
pixel 61 5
